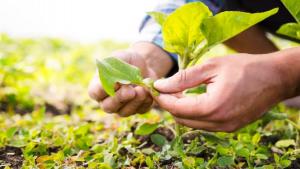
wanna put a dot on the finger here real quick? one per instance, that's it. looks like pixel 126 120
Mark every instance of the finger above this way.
pixel 185 79
pixel 185 107
pixel 146 106
pixel 203 125
pixel 132 106
pixel 95 89
pixel 123 95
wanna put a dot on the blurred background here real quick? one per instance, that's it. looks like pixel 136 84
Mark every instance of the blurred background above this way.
pixel 48 48
pixel 82 20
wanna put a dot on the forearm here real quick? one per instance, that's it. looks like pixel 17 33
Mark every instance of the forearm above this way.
pixel 155 57
pixel 288 64
pixel 252 41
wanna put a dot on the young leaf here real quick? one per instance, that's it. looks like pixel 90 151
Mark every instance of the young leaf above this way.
pixel 225 161
pixel 180 30
pixel 159 17
pixel 158 139
pixel 293 7
pixel 290 29
pixel 112 70
pixel 146 129
pixel 285 143
pixel 226 25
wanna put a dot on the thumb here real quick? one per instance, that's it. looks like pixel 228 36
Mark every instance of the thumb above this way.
pixel 184 79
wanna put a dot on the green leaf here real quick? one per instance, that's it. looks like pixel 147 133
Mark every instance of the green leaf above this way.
pixel 11 132
pixel 158 139
pixel 290 29
pixel 181 33
pixel 146 129
pixel 177 146
pixel 285 143
pixel 225 161
pixel 159 17
pixel 149 162
pixel 214 139
pixel 294 8
pixel 256 138
pixel 112 70
pixel 226 25
pixel 243 152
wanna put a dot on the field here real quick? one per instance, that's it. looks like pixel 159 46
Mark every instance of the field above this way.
pixel 48 121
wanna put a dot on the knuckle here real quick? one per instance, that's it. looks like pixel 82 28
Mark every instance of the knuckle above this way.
pixel 107 107
pixel 182 76
pixel 92 91
pixel 140 94
pixel 210 63
pixel 125 94
pixel 93 94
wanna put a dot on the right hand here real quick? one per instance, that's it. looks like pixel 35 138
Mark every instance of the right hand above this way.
pixel 129 99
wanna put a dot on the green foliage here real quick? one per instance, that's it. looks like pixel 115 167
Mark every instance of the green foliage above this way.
pixel 291 29
pixel 293 8
pixel 191 30
pixel 158 139
pixel 225 25
pixel 113 70
pixel 146 129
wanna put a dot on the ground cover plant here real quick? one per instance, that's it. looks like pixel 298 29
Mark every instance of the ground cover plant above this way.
pixel 48 121
pixel 291 29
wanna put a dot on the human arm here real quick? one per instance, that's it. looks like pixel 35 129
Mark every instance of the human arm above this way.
pixel 240 89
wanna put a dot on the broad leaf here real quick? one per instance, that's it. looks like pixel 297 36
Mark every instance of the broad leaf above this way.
pixel 146 129
pixel 158 139
pixel 159 17
pixel 293 7
pixel 112 70
pixel 181 30
pixel 290 29
pixel 285 143
pixel 191 30
pixel 225 161
pixel 226 25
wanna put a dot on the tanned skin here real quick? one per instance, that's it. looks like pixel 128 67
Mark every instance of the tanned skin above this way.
pixel 240 87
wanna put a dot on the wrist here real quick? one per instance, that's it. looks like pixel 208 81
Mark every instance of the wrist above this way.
pixel 155 57
pixel 287 64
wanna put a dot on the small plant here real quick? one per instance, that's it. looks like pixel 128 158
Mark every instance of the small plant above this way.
pixel 291 29
pixel 190 31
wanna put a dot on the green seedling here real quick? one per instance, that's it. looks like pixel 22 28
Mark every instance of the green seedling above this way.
pixel 291 29
pixel 190 31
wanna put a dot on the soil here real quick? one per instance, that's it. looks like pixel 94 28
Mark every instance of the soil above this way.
pixel 11 156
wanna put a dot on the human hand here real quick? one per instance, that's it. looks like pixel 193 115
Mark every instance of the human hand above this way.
pixel 240 89
pixel 128 99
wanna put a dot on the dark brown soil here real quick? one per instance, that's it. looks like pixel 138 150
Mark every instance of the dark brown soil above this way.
pixel 11 156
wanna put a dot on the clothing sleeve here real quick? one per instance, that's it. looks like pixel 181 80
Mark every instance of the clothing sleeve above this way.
pixel 150 31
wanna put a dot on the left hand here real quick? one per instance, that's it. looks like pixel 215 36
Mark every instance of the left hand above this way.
pixel 240 89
